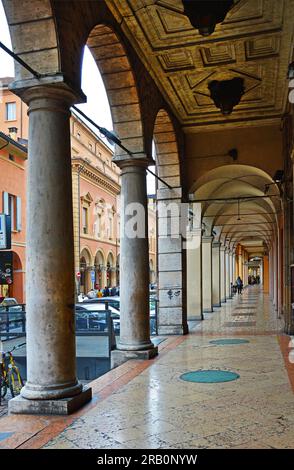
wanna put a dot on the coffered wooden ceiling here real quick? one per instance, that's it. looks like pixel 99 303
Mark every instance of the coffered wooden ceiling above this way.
pixel 254 42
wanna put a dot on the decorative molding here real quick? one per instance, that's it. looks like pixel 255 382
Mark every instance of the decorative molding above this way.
pixel 176 60
pixel 261 47
pixel 218 54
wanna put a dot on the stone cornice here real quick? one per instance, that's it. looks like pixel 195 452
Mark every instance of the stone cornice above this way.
pixel 84 168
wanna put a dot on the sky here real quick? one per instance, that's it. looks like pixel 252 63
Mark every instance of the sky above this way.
pixel 97 106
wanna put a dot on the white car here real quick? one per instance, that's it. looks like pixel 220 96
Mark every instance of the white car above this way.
pixel 91 315
pixel 114 304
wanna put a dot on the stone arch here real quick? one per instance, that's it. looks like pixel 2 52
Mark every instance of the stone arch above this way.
pixel 167 151
pixel 110 270
pixel 34 38
pixel 118 77
pixel 16 289
pixel 86 263
pixel 99 267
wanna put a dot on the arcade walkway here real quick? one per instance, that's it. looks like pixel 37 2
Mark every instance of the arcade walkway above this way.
pixel 145 404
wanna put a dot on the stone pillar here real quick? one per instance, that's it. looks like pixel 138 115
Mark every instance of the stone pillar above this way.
pixel 223 272
pixel 76 222
pixel 194 276
pixel 216 275
pixel 240 263
pixel 228 273
pixel 207 273
pixel 231 271
pixel 50 321
pixel 234 268
pixel 134 265
pixel 172 311
pixel 275 267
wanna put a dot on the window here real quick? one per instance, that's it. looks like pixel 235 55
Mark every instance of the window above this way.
pixel 78 135
pixel 11 157
pixel 12 207
pixel 85 220
pixel 11 111
pixel 90 147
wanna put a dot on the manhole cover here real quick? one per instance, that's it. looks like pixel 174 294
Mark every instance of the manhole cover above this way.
pixel 229 341
pixel 209 376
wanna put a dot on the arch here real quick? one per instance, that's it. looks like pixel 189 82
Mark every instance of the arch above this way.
pixel 100 257
pixel 110 270
pixel 16 289
pixel 86 263
pixel 166 150
pixel 34 20
pixel 233 217
pixel 118 77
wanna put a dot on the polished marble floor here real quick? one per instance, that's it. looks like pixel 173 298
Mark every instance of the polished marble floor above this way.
pixel 146 405
pixel 156 409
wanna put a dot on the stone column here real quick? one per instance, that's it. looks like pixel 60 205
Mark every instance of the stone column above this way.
pixel 240 262
pixel 207 273
pixel 216 275
pixel 228 274
pixel 50 321
pixel 76 224
pixel 134 265
pixel 194 276
pixel 223 272
pixel 234 277
pixel 172 311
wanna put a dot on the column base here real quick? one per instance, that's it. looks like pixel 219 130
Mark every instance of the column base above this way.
pixel 196 318
pixel 63 406
pixel 178 330
pixel 207 310
pixel 120 356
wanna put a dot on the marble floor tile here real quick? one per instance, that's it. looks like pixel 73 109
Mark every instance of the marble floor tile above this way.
pixel 256 411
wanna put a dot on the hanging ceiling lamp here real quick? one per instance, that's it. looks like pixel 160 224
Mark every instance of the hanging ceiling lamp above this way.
pixel 205 14
pixel 227 93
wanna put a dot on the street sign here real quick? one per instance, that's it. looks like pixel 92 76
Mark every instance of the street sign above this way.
pixel 78 274
pixel 93 276
pixel 6 267
pixel 5 232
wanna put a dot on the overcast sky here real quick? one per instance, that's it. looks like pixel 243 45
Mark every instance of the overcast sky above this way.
pixel 97 106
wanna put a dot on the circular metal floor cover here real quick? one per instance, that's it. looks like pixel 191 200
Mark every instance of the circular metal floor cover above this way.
pixel 229 341
pixel 209 376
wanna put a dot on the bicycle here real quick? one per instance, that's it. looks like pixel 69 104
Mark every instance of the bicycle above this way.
pixel 10 377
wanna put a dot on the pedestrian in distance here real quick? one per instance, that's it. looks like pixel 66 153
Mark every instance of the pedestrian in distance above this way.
pixel 239 283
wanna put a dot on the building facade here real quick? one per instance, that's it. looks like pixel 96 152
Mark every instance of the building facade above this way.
pixel 95 193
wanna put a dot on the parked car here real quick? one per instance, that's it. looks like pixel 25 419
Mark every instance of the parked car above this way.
pixel 92 316
pixel 12 305
pixel 114 303
pixel 10 313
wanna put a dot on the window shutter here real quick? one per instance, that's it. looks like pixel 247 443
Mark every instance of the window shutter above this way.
pixel 18 214
pixel 5 203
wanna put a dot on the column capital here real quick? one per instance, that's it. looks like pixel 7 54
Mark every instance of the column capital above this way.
pixel 51 86
pixel 207 239
pixel 135 163
pixel 216 244
pixel 195 232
